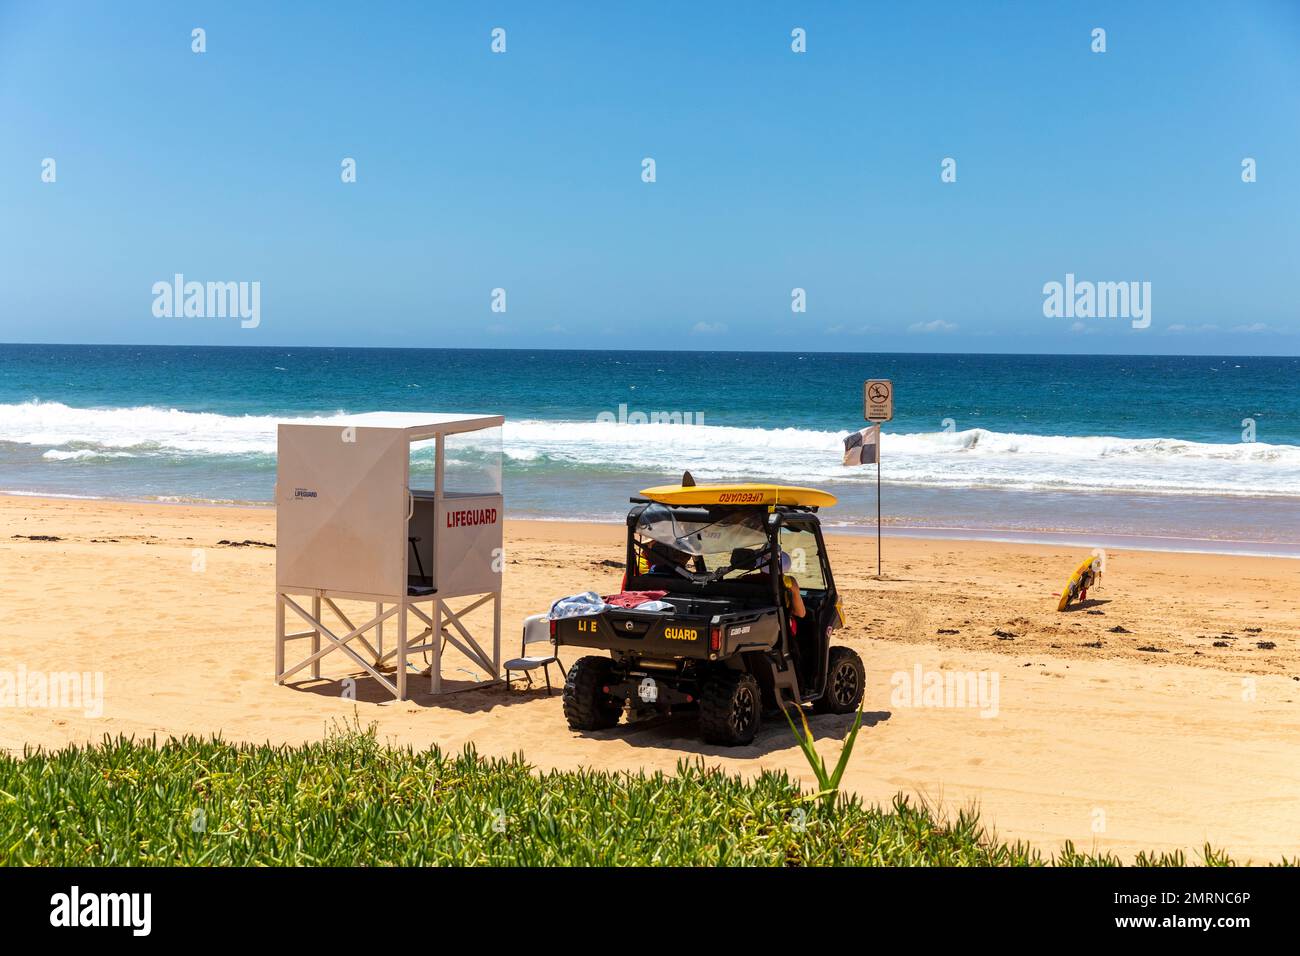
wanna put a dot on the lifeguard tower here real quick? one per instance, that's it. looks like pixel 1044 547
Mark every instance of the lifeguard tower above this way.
pixel 351 527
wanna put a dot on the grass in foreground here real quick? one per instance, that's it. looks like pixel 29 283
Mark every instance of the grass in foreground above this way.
pixel 349 801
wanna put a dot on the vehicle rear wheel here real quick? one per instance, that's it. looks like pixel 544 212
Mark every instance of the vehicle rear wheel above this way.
pixel 730 709
pixel 586 705
pixel 846 679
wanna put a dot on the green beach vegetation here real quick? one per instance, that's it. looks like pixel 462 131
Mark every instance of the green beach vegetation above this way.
pixel 351 801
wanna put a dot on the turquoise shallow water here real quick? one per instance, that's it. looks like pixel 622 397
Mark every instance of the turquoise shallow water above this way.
pixel 1149 447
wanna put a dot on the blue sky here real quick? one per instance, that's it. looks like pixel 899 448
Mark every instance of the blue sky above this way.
pixel 775 170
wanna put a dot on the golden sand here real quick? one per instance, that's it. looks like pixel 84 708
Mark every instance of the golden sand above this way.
pixel 1179 728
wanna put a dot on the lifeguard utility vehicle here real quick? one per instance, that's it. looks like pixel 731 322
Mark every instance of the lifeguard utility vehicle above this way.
pixel 736 564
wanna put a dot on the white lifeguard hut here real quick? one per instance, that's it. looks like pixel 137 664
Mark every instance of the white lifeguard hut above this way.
pixel 351 526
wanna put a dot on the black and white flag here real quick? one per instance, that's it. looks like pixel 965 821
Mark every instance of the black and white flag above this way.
pixel 862 448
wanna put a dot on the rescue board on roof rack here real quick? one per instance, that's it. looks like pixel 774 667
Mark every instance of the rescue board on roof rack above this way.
pixel 742 494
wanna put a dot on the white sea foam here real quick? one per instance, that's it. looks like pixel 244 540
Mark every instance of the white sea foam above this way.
pixel 84 454
pixel 971 458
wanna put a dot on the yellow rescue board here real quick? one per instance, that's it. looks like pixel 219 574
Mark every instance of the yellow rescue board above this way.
pixel 744 494
pixel 1077 582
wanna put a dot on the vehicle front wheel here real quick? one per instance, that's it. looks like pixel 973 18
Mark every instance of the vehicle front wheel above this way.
pixel 730 709
pixel 586 705
pixel 846 679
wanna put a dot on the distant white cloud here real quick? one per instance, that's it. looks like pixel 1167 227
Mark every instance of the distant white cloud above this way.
pixel 708 328
pixel 1078 327
pixel 1253 327
pixel 938 325
pixel 850 330
pixel 1179 327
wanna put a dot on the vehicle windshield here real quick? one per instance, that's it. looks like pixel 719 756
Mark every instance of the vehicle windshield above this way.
pixel 701 550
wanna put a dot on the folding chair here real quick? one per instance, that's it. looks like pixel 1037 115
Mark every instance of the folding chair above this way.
pixel 537 630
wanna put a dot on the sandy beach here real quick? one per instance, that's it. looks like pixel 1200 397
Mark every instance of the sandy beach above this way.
pixel 1159 716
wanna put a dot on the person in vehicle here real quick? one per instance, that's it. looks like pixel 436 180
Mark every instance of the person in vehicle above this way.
pixel 791 597
pixel 790 587
pixel 659 558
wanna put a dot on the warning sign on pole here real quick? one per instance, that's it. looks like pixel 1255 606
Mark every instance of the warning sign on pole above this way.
pixel 878 400
pixel 863 448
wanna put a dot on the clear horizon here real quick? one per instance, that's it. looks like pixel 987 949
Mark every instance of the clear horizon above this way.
pixel 560 348
pixel 775 171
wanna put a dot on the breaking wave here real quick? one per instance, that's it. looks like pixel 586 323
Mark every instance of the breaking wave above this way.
pixel 61 435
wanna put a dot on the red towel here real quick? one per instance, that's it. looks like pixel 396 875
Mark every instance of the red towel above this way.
pixel 631 599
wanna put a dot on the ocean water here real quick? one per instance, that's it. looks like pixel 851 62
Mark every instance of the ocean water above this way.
pixel 1196 452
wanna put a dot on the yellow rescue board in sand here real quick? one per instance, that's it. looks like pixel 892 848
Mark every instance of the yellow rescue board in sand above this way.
pixel 743 494
pixel 1084 577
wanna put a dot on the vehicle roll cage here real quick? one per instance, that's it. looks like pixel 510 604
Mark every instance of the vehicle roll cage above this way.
pixel 776 515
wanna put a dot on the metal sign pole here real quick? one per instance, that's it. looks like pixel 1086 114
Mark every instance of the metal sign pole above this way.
pixel 877 507
pixel 878 407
